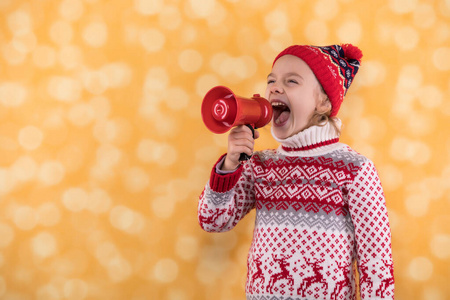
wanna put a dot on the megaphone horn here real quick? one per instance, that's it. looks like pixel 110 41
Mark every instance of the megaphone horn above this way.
pixel 223 110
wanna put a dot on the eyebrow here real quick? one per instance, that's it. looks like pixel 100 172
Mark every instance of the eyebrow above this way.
pixel 288 75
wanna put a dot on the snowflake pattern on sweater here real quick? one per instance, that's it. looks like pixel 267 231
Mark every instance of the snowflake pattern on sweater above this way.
pixel 315 216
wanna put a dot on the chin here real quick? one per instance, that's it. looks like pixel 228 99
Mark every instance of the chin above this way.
pixel 281 133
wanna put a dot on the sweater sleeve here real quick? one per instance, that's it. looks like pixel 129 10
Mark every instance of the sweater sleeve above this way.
pixel 226 198
pixel 373 236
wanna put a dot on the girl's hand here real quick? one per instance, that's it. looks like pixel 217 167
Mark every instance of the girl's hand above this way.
pixel 240 140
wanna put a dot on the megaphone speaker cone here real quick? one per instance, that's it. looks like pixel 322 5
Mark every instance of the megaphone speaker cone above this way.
pixel 221 111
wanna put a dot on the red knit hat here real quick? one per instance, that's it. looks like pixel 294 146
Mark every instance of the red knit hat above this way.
pixel 334 67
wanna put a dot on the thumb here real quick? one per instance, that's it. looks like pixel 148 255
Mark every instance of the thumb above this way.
pixel 256 134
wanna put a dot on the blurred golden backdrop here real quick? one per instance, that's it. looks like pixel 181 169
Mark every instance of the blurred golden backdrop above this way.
pixel 103 152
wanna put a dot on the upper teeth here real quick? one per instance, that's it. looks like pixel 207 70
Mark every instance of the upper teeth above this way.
pixel 278 104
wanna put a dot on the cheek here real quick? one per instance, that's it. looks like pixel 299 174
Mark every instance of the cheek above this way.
pixel 267 92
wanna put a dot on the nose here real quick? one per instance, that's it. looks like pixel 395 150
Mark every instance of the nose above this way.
pixel 276 88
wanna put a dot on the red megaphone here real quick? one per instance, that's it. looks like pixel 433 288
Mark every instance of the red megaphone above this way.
pixel 223 110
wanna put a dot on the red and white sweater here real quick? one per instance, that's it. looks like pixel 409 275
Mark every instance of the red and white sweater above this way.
pixel 319 208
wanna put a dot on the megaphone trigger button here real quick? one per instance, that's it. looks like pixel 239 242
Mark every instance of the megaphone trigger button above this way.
pixel 251 128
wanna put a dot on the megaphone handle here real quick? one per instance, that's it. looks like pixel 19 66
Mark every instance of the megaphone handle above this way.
pixel 244 156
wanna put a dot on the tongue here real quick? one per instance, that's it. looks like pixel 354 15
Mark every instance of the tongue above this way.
pixel 283 117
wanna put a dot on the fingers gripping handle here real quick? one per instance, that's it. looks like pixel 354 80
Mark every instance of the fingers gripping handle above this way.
pixel 244 156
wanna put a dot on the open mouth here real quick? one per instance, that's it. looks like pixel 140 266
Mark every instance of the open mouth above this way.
pixel 281 113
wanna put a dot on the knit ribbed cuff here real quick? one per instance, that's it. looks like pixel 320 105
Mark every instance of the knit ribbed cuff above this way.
pixel 223 183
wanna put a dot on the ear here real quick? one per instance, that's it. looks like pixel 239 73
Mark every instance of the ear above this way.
pixel 323 105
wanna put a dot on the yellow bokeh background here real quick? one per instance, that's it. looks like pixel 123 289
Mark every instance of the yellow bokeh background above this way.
pixel 103 152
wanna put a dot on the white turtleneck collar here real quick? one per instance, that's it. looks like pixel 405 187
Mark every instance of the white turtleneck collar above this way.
pixel 311 141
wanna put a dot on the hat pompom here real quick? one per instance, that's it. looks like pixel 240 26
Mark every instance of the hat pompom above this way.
pixel 352 52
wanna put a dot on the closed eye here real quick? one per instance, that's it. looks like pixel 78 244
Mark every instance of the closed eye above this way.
pixel 294 78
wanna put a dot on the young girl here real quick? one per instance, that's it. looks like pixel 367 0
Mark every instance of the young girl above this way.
pixel 319 204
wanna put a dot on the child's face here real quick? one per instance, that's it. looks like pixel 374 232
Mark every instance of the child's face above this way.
pixel 294 92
